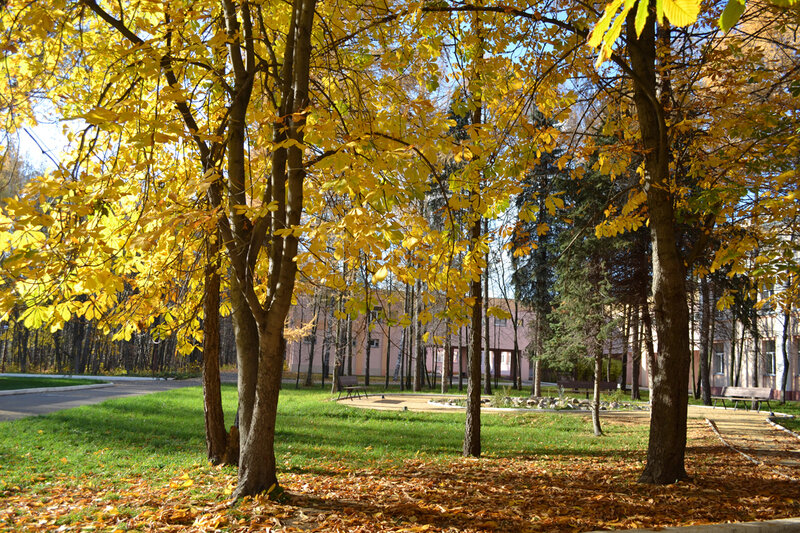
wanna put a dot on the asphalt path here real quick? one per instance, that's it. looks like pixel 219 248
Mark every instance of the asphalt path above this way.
pixel 31 404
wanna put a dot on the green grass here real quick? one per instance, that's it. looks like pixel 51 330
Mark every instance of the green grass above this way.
pixel 14 383
pixel 160 436
pixel 792 424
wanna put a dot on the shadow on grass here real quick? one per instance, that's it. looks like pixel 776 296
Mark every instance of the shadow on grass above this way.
pixel 311 434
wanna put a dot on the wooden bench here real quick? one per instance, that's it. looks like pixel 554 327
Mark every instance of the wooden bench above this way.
pixel 757 395
pixel 578 386
pixel 349 385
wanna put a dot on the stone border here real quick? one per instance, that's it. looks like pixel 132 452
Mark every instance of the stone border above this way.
pixel 85 376
pixel 536 410
pixel 14 392
pixel 772 422
pixel 771 526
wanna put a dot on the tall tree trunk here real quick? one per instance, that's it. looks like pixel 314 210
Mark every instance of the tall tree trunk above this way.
pixel 756 350
pixel 705 342
pixel 216 436
pixel 487 353
pixel 447 361
pixel 338 358
pixel 312 349
pixel 300 344
pixel 419 371
pixel 515 369
pixel 598 374
pixel 367 331
pixel 695 380
pixel 637 354
pixel 785 350
pixel 595 343
pixel 472 428
pixel 667 444
pixel 388 352
pixel 626 332
pixel 349 333
pixel 472 425
pixel 327 339
pixel 460 362
pixel 257 466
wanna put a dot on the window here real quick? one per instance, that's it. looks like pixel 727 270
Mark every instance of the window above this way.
pixel 766 293
pixel 718 359
pixel 520 323
pixel 769 357
pixel 500 322
pixel 376 313
pixel 374 343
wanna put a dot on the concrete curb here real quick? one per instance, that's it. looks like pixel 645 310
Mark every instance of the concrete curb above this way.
pixel 14 392
pixel 771 526
pixel 85 376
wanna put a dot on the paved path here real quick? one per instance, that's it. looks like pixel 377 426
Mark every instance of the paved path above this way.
pixel 22 405
pixel 747 432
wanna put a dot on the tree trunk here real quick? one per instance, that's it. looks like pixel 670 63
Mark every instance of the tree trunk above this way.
pixel 487 353
pixel 419 364
pixel 257 467
pixel 447 360
pixel 313 348
pixel 695 380
pixel 667 444
pixel 756 351
pixel 388 351
pixel 460 362
pixel 216 436
pixel 338 359
pixel 785 350
pixel 537 378
pixel 705 342
pixel 626 329
pixel 598 374
pixel 299 351
pixel 637 355
pixel 367 331
pixel 349 341
pixel 472 428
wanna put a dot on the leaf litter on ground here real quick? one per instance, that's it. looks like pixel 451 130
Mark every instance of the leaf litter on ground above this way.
pixel 519 494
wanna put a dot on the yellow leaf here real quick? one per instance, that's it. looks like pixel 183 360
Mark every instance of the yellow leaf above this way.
pixel 380 275
pixel 681 12
pixel 409 242
pixel 100 115
pixel 602 25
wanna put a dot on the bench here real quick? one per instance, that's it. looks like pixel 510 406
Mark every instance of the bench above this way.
pixel 578 386
pixel 349 385
pixel 757 395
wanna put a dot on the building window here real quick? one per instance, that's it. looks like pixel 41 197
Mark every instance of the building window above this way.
pixel 374 343
pixel 766 293
pixel 376 313
pixel 769 357
pixel 500 322
pixel 718 361
pixel 520 323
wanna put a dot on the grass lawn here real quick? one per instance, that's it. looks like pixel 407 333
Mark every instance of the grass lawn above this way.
pixel 139 464
pixel 15 383
pixel 792 424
